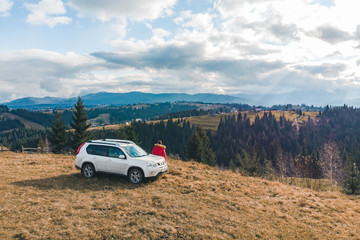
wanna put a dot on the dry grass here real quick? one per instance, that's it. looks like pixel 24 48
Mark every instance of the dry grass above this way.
pixel 3 148
pixel 44 197
pixel 108 127
pixel 314 184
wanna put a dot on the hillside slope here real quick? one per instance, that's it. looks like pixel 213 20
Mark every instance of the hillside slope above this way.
pixel 28 123
pixel 43 196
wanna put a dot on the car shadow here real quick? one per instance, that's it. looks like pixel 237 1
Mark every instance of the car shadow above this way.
pixel 76 181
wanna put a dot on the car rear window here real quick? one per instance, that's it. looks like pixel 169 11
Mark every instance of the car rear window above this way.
pixel 97 150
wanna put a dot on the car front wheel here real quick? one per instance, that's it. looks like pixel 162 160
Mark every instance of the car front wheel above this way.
pixel 136 176
pixel 88 170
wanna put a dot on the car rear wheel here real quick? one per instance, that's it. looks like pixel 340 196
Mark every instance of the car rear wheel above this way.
pixel 88 170
pixel 136 176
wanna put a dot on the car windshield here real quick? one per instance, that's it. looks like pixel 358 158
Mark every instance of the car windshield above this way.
pixel 135 151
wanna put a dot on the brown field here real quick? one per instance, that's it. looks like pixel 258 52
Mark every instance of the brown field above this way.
pixel 44 197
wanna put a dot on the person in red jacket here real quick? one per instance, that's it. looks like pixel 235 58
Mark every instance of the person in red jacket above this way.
pixel 159 149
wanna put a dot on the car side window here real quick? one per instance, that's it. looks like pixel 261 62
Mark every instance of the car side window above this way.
pixel 97 150
pixel 115 152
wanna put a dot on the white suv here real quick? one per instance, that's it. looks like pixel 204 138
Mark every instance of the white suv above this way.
pixel 120 157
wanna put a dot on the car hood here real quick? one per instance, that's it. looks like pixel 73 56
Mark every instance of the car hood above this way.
pixel 152 158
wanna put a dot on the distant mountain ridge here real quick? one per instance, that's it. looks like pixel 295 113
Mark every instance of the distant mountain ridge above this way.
pixel 120 99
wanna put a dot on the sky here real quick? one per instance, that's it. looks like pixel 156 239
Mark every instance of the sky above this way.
pixel 298 49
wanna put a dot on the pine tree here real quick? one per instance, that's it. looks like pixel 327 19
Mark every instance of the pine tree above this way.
pixel 57 135
pixel 194 149
pixel 351 183
pixel 248 164
pixel 80 133
pixel 131 134
pixel 209 155
pixel 199 148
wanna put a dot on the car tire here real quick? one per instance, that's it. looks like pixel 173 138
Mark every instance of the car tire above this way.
pixel 136 176
pixel 88 170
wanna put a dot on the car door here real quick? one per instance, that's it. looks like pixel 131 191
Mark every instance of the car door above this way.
pixel 98 155
pixel 117 161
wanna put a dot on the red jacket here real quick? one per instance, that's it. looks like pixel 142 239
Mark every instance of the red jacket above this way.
pixel 159 150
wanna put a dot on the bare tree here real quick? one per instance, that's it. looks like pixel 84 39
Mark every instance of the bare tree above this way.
pixel 286 166
pixel 331 164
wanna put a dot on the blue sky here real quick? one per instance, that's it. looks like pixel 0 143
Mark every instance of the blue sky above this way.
pixel 288 50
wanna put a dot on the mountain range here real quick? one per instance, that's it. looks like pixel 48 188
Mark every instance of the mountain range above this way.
pixel 317 98
pixel 120 99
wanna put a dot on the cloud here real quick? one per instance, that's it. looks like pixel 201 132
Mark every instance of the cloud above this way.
pixel 39 72
pixel 189 69
pixel 246 70
pixel 198 21
pixel 51 84
pixel 357 33
pixel 137 10
pixel 47 12
pixel 284 31
pixel 5 96
pixel 331 34
pixel 5 6
pixel 169 57
pixel 189 56
pixel 326 70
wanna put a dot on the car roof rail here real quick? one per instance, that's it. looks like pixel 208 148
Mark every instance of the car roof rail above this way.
pixel 117 141
pixel 101 142
pixel 120 141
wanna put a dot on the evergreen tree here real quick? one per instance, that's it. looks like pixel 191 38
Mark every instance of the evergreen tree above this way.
pixel 249 164
pixel 80 133
pixel 351 183
pixel 131 134
pixel 57 135
pixel 209 155
pixel 194 150
pixel 199 148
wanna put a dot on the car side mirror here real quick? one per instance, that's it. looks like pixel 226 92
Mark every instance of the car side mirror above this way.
pixel 122 157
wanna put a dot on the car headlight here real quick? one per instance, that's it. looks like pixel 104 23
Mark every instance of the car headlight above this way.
pixel 152 164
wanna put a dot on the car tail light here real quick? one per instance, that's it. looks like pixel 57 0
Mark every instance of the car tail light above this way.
pixel 77 152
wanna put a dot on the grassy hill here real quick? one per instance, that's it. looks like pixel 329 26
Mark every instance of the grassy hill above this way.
pixel 44 197
pixel 28 123
pixel 212 122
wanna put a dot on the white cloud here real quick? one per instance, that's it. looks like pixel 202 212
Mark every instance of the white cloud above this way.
pixel 5 6
pixel 39 72
pixel 137 10
pixel 47 12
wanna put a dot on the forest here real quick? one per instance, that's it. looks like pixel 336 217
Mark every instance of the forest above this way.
pixel 7 124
